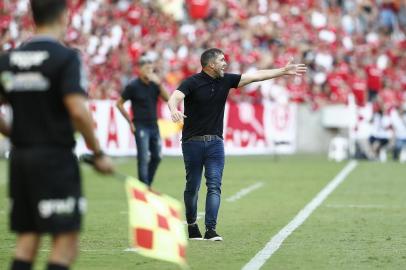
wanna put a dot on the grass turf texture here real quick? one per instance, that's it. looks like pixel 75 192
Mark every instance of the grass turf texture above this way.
pixel 359 226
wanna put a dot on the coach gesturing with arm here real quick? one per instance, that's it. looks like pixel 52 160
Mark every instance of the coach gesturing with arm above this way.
pixel 205 96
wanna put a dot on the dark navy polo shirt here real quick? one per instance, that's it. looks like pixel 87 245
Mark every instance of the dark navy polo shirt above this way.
pixel 34 79
pixel 144 99
pixel 204 103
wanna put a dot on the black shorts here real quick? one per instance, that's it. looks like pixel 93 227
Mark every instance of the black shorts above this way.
pixel 382 141
pixel 45 191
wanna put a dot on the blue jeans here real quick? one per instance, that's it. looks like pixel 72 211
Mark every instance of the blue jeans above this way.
pixel 210 155
pixel 149 147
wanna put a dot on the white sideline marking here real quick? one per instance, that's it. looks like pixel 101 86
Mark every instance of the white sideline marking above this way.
pixel 273 245
pixel 355 206
pixel 244 192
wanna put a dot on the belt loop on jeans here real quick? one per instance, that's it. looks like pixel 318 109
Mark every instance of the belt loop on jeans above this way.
pixel 204 138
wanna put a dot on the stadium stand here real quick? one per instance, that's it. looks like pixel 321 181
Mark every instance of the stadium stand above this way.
pixel 350 46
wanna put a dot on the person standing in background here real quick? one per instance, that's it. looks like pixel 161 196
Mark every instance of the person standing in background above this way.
pixel 143 93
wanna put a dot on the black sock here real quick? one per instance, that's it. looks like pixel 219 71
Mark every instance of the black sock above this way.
pixel 55 266
pixel 20 265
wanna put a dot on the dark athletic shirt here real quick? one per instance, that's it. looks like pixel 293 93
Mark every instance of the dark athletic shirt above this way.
pixel 204 103
pixel 144 98
pixel 34 79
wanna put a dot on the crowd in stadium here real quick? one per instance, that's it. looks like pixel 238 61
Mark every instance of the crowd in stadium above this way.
pixel 350 46
pixel 356 47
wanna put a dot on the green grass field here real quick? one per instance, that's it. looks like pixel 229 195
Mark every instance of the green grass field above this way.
pixel 361 225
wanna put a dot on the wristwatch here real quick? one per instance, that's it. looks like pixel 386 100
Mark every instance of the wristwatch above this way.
pixel 98 154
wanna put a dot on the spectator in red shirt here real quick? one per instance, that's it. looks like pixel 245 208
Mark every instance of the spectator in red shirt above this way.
pixel 334 81
pixel 251 31
pixel 374 77
pixel 198 9
pixel 358 84
pixel 388 95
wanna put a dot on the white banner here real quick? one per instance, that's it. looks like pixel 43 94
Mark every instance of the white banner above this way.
pixel 248 129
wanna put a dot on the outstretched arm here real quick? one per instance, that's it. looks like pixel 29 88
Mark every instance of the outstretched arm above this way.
pixel 173 103
pixel 266 74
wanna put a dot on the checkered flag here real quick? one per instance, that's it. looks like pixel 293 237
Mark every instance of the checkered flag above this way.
pixel 156 228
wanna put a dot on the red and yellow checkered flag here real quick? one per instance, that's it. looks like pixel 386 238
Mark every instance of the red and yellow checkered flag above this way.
pixel 156 228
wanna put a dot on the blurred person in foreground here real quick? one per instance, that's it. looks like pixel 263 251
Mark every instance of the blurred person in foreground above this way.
pixel 205 96
pixel 143 93
pixel 44 83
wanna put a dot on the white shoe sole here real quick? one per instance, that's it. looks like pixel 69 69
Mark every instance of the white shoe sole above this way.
pixel 217 238
pixel 196 239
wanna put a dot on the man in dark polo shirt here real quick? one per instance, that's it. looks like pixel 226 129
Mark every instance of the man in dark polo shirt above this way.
pixel 205 96
pixel 143 93
pixel 44 83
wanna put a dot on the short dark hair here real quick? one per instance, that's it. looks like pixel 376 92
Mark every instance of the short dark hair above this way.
pixel 47 11
pixel 209 55
pixel 143 60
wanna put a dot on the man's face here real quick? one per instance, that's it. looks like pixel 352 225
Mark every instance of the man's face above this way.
pixel 219 65
pixel 146 70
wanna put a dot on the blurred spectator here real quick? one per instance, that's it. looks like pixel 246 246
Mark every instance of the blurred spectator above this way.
pixel 402 14
pixel 374 76
pixel 398 119
pixel 387 15
pixel 381 132
pixel 362 133
pixel 367 15
pixel 358 86
pixel 198 9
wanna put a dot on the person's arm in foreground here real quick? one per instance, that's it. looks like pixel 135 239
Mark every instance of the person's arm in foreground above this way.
pixel 266 74
pixel 4 128
pixel 173 103
pixel 83 122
